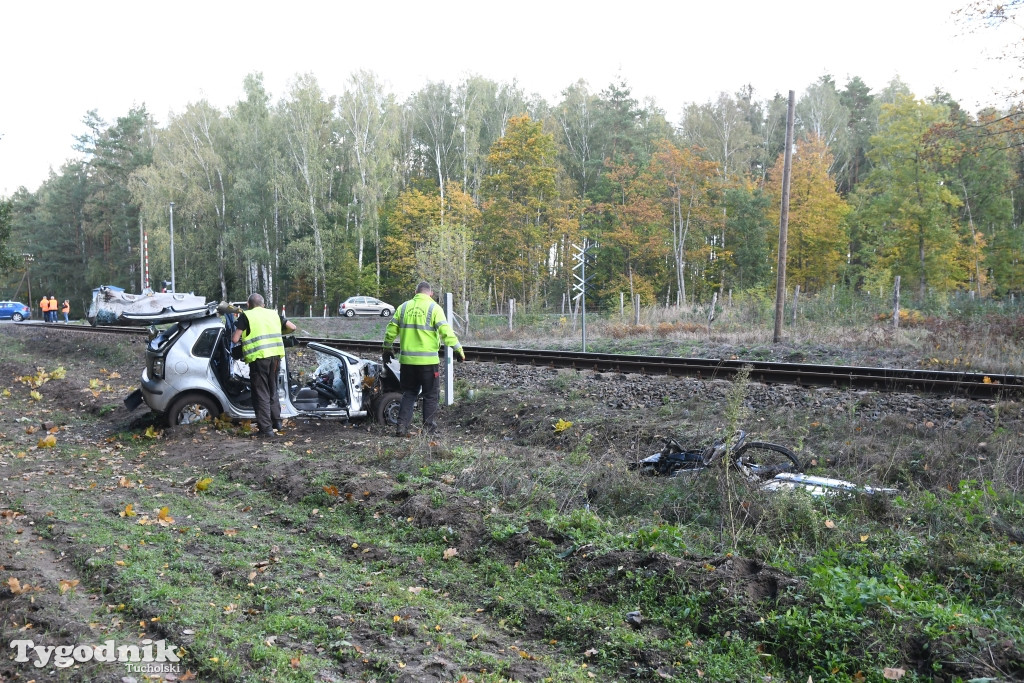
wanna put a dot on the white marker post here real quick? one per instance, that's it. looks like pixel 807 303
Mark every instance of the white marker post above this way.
pixel 449 357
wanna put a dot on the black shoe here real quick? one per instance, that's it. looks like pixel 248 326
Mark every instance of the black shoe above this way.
pixel 278 426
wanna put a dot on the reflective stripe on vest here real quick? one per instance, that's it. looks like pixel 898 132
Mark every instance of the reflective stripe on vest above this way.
pixel 263 338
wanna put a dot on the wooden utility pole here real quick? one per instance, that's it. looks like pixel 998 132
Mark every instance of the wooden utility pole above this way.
pixel 780 284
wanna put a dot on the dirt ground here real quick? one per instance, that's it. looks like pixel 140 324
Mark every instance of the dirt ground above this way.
pixel 52 600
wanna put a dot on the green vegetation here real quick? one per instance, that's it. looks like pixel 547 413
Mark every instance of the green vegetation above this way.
pixel 523 548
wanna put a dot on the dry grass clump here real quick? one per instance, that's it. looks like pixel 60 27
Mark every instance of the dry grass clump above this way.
pixel 908 318
pixel 621 331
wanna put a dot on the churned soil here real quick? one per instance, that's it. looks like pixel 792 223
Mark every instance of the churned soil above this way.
pixel 510 406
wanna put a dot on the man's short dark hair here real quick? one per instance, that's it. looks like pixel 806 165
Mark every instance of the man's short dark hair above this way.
pixel 255 300
pixel 424 287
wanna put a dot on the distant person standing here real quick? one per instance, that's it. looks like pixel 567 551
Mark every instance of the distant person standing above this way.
pixel 420 325
pixel 53 308
pixel 260 330
pixel 65 308
pixel 44 307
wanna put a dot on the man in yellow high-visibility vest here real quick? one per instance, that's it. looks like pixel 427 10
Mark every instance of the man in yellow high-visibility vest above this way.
pixel 420 325
pixel 260 331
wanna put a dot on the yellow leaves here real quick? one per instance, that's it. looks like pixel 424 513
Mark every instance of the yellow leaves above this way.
pixel 49 441
pixel 128 511
pixel 152 432
pixel 35 395
pixel 42 377
pixel 449 553
pixel 164 518
pixel 204 483
pixel 125 482
pixel 332 491
pixel 395 618
pixel 17 589
pixel 864 538
pixel 562 425
pixel 67 584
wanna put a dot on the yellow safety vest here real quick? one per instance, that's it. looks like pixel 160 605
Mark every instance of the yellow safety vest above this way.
pixel 263 338
pixel 420 326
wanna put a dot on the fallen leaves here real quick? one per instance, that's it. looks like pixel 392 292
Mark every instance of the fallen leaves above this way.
pixel 204 484
pixel 49 441
pixel 893 674
pixel 128 511
pixel 67 584
pixel 16 587
pixel 449 553
pixel 562 425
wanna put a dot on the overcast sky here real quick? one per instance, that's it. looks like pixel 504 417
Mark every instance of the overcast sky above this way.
pixel 58 60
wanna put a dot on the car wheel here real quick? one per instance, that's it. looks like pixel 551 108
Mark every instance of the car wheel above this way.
pixel 17 317
pixel 349 313
pixel 388 407
pixel 191 409
pixel 386 313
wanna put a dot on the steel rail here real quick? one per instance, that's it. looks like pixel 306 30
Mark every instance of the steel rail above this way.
pixel 974 384
pixel 940 382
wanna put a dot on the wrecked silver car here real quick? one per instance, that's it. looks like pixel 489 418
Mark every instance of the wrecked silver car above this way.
pixel 190 375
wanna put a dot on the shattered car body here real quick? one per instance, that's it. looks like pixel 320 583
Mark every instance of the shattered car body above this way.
pixel 109 303
pixel 818 486
pixel 190 376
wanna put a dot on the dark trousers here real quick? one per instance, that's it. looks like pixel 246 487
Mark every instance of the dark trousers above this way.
pixel 416 378
pixel 263 377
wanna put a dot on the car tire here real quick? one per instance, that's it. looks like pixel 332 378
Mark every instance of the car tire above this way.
pixel 192 408
pixel 388 407
pixel 349 313
pixel 17 317
pixel 386 313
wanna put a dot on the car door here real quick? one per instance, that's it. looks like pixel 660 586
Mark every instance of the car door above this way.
pixel 351 369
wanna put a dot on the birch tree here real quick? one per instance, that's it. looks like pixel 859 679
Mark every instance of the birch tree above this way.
pixel 307 117
pixel 369 123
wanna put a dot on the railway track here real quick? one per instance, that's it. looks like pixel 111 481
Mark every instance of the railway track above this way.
pixel 972 384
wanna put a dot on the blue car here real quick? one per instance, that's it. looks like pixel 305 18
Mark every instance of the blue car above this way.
pixel 14 310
